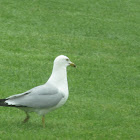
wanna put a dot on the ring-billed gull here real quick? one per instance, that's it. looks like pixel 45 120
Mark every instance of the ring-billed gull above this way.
pixel 44 98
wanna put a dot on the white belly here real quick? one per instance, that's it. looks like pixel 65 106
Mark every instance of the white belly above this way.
pixel 62 102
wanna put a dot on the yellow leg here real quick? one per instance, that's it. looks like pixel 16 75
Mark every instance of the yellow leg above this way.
pixel 43 121
pixel 27 118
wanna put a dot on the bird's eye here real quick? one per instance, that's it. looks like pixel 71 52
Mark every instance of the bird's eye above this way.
pixel 67 59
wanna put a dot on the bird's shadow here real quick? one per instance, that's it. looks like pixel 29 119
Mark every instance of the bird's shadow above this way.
pixel 16 123
pixel 34 125
pixel 28 126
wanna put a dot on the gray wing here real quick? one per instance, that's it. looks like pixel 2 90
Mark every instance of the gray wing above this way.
pixel 44 96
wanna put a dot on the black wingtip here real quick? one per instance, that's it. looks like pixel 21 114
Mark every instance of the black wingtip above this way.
pixel 2 102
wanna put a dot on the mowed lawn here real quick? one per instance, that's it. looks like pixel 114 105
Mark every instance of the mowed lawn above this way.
pixel 102 37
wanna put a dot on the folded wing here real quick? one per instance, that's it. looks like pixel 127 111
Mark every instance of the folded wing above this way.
pixel 44 96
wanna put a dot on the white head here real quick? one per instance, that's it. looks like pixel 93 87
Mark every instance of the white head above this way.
pixel 63 61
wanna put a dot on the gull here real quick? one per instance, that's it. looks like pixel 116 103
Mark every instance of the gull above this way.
pixel 47 97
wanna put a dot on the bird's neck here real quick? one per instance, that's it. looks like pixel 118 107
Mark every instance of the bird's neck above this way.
pixel 59 78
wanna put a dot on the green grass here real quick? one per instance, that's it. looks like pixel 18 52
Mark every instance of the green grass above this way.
pixel 102 37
